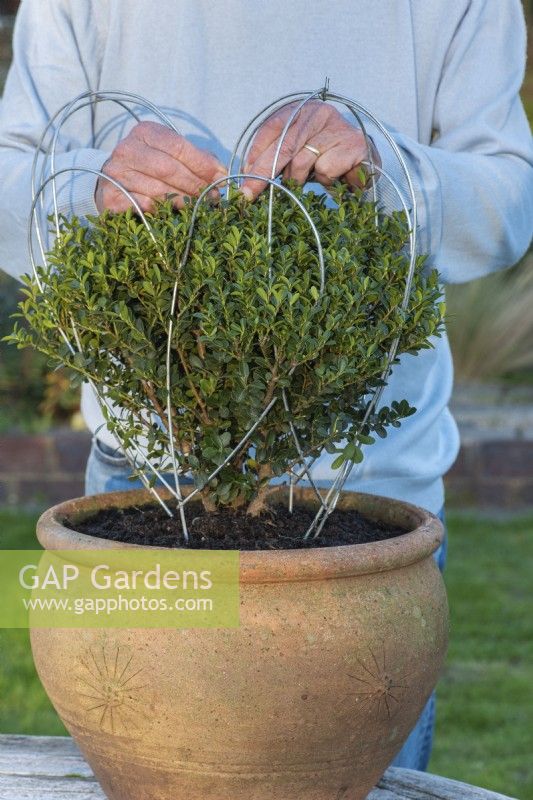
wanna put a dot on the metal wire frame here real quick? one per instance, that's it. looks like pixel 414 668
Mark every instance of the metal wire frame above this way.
pixel 299 99
pixel 335 490
pixel 54 127
pixel 181 501
pixel 359 112
pixel 102 400
pixel 215 184
pixel 83 100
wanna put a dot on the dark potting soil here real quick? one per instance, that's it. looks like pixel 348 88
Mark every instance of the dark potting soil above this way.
pixel 276 529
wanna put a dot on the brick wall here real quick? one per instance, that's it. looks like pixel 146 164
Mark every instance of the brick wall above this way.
pixel 6 32
pixel 9 7
pixel 493 474
pixel 37 471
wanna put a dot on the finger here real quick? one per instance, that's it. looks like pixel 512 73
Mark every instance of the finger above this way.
pixel 300 167
pixel 309 122
pixel 159 190
pixel 199 162
pixel 117 202
pixel 305 160
pixel 312 112
pixel 339 160
pixel 353 177
pixel 359 176
pixel 147 185
pixel 153 163
pixel 268 133
pixel 292 144
pixel 252 187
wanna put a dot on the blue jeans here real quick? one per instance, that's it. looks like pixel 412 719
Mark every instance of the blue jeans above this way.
pixel 108 471
pixel 416 751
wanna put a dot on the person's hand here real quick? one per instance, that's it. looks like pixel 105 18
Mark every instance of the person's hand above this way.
pixel 335 148
pixel 151 162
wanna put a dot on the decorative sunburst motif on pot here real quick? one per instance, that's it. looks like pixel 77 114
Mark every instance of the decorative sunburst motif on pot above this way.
pixel 377 687
pixel 113 689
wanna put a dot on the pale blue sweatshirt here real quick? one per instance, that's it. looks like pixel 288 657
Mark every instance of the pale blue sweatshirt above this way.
pixel 443 75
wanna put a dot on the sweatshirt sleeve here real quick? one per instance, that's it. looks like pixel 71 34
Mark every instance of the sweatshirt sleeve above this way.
pixel 474 182
pixel 47 71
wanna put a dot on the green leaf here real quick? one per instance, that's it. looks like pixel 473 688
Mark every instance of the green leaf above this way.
pixel 196 362
pixel 339 461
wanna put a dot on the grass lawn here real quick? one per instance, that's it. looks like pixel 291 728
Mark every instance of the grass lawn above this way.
pixel 485 718
pixel 24 707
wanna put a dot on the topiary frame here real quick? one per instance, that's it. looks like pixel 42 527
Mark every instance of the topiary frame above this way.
pixel 181 397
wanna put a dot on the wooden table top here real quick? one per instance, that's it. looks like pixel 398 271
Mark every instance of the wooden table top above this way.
pixel 51 768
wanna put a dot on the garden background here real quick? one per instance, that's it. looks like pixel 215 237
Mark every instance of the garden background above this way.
pixel 485 719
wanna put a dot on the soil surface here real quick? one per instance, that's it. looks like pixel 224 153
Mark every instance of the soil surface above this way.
pixel 233 530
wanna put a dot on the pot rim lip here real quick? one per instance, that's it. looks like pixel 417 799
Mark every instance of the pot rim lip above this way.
pixel 270 566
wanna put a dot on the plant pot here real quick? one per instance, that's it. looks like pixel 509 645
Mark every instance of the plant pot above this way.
pixel 310 699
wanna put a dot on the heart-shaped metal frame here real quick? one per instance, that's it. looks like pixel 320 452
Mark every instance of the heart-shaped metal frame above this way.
pixel 132 103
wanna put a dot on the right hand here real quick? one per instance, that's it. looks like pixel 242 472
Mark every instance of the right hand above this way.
pixel 152 162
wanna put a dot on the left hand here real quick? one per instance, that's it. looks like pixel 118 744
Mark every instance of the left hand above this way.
pixel 341 148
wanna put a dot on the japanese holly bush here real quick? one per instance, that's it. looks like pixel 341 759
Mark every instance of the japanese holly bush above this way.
pixel 249 323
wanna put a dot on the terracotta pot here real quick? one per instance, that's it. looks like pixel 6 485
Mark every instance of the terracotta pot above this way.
pixel 310 699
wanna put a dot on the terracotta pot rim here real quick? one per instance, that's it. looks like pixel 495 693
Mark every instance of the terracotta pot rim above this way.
pixel 272 566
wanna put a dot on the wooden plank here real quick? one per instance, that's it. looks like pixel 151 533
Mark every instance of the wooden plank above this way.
pixel 411 785
pixel 48 789
pixel 45 768
pixel 52 768
pixel 53 756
